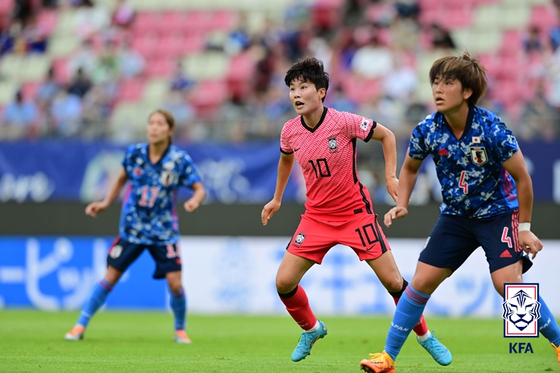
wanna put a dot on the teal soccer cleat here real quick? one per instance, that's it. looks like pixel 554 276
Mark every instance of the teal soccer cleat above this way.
pixel 307 340
pixel 439 352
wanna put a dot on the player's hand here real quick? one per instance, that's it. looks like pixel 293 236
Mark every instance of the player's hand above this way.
pixel 191 205
pixel 394 214
pixel 530 243
pixel 269 210
pixel 393 187
pixel 95 208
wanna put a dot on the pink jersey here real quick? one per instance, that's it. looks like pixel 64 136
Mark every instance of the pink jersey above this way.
pixel 327 155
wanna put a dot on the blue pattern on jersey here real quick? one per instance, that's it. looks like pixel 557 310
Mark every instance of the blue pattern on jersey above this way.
pixel 148 215
pixel 473 180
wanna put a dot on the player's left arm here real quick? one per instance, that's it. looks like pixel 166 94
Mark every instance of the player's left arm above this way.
pixel 517 168
pixel 199 195
pixel 389 142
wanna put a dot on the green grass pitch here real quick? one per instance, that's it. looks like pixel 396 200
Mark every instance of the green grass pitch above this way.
pixel 33 341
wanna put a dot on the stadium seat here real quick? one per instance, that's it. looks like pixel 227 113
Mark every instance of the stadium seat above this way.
pixel 209 95
pixel 130 90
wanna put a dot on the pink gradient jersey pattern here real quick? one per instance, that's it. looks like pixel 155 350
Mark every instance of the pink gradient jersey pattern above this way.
pixel 327 155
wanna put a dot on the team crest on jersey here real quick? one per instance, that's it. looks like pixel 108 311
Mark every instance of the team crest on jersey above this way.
pixel 299 238
pixel 137 171
pixel 479 155
pixel 333 145
pixel 167 178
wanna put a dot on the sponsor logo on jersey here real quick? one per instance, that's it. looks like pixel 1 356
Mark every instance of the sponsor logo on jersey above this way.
pixel 521 310
pixel 299 238
pixel 333 145
pixel 479 155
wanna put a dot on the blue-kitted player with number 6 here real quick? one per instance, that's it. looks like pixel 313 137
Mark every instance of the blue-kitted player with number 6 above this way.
pixel 155 171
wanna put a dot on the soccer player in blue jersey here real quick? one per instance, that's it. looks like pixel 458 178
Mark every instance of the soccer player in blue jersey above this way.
pixel 487 200
pixel 155 171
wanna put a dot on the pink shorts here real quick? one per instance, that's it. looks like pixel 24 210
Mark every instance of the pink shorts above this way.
pixel 314 238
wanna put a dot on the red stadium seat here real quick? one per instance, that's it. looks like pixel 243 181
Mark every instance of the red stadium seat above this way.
pixel 160 66
pixel 130 90
pixel 208 96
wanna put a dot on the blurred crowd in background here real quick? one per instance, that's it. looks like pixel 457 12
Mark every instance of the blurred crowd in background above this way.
pixel 377 53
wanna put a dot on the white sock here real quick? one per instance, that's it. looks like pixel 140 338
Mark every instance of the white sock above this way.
pixel 422 338
pixel 314 328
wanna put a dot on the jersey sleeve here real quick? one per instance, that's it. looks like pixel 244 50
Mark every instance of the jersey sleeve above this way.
pixel 128 162
pixel 503 140
pixel 190 173
pixel 417 147
pixel 285 146
pixel 359 127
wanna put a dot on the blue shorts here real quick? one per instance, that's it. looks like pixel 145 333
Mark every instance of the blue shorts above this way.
pixel 454 238
pixel 123 253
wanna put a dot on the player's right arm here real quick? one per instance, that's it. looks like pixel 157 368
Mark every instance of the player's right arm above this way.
pixel 407 181
pixel 285 167
pixel 95 208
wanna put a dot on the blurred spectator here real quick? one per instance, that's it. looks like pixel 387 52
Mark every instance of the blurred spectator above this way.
pixel 47 90
pixel 179 81
pixel 123 15
pixel 238 39
pixel 373 60
pixel 183 112
pixel 24 10
pixel 91 19
pixel 6 36
pixel 80 84
pixel 85 58
pixel 19 119
pixel 401 82
pixel 532 42
pixel 540 120
pixel 130 62
pixel 96 109
pixel 338 100
pixel 66 111
pixel 35 36
pixel 107 69
pixel 440 37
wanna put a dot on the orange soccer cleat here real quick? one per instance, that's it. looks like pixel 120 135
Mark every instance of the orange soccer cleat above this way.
pixel 182 337
pixel 76 334
pixel 379 363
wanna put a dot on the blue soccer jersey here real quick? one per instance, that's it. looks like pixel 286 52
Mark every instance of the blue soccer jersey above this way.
pixel 473 180
pixel 148 214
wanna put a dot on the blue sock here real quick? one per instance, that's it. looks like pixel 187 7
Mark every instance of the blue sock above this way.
pixel 408 312
pixel 96 300
pixel 548 325
pixel 178 304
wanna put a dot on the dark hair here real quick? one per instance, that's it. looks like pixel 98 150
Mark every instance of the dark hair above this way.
pixel 308 69
pixel 168 118
pixel 468 70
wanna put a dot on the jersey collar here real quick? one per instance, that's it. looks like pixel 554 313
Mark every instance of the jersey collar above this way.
pixel 468 125
pixel 318 124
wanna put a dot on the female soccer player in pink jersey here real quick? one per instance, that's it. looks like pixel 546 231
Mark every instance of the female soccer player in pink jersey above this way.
pixel 338 208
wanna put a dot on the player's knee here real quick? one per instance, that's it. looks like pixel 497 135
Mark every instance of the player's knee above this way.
pixel 284 286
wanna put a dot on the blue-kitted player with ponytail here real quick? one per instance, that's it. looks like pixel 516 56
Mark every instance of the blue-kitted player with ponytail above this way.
pixel 155 171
